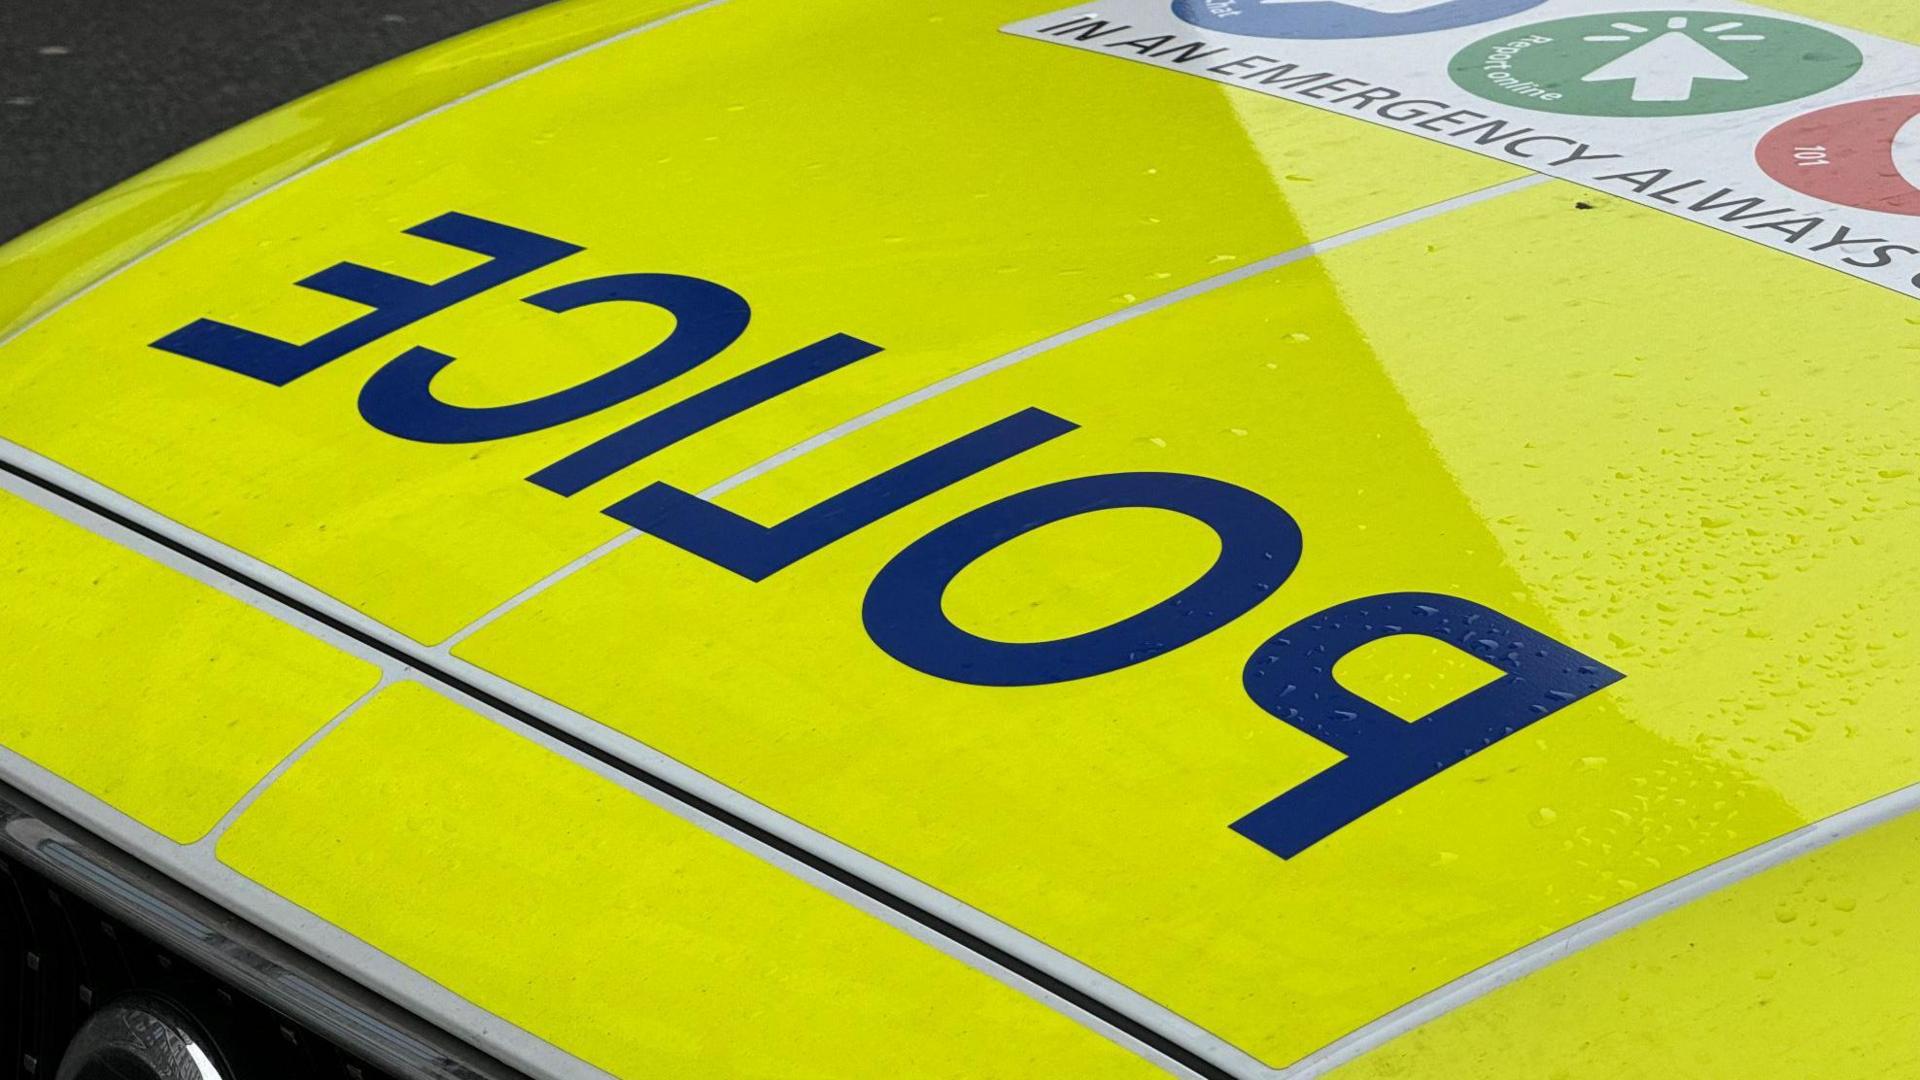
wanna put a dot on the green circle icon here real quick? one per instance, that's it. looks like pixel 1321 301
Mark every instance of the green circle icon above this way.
pixel 1655 63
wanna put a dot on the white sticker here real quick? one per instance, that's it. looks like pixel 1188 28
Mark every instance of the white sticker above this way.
pixel 1786 131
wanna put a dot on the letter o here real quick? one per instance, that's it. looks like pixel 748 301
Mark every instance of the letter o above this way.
pixel 1259 547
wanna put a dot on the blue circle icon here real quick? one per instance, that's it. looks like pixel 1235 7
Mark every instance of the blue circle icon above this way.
pixel 1323 19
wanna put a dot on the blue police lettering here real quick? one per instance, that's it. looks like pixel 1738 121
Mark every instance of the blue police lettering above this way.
pixel 1289 676
pixel 397 302
pixel 399 399
pixel 1259 547
pixel 757 551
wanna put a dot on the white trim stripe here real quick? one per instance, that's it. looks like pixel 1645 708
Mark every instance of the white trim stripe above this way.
pixel 1610 923
pixel 1139 1009
pixel 1006 360
pixel 211 840
pixel 616 746
pixel 197 867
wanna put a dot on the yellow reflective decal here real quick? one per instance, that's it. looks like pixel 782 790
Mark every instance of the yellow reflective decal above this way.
pixel 1282 648
pixel 1889 17
pixel 1806 970
pixel 598 921
pixel 1500 406
pixel 159 695
pixel 945 210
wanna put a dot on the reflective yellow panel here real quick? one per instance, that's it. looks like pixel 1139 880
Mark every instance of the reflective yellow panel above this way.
pixel 1893 18
pixel 595 920
pixel 920 181
pixel 1807 970
pixel 166 699
pixel 1685 457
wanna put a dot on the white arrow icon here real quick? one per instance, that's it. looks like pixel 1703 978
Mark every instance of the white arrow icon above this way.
pixel 1666 68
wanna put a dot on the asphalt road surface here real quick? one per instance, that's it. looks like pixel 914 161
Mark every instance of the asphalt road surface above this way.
pixel 93 91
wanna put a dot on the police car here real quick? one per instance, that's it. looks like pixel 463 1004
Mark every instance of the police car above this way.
pixel 854 539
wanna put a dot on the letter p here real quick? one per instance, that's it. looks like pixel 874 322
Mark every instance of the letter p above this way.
pixel 1291 676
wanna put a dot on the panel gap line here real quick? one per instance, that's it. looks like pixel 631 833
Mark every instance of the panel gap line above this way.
pixel 211 840
pixel 1027 965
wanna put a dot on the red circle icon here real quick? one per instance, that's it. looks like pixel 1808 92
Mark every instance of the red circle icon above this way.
pixel 1865 154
